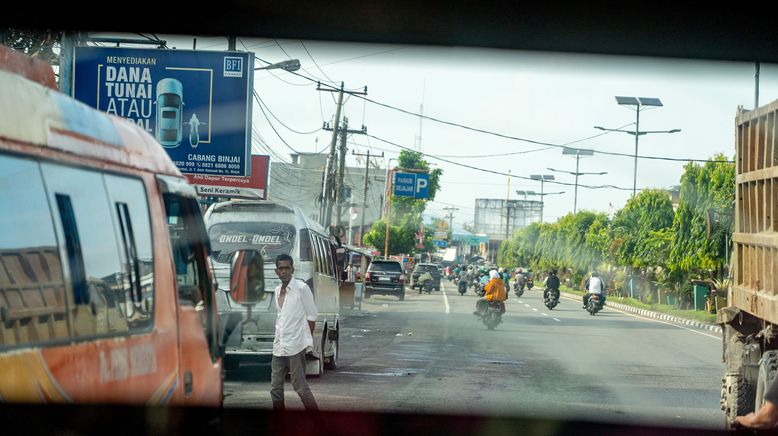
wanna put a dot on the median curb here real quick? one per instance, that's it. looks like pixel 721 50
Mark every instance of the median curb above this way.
pixel 658 315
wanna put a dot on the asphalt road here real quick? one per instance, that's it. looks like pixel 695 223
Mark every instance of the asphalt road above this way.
pixel 430 354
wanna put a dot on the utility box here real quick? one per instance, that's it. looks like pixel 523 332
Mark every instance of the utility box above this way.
pixel 701 291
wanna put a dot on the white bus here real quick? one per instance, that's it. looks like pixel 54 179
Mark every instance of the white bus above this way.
pixel 276 228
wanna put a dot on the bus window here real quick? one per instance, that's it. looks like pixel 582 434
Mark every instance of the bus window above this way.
pixel 131 215
pixel 84 214
pixel 32 288
pixel 187 239
pixel 317 254
pixel 306 251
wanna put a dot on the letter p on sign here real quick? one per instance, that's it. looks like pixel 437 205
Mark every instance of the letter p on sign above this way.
pixel 422 185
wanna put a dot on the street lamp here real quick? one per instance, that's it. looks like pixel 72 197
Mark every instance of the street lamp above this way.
pixel 543 178
pixel 638 102
pixel 578 152
pixel 288 65
pixel 525 194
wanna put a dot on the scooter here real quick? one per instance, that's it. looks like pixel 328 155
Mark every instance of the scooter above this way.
pixel 594 305
pixel 493 316
pixel 551 300
pixel 462 287
pixel 518 289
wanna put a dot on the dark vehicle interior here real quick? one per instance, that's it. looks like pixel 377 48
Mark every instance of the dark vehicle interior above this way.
pixel 737 33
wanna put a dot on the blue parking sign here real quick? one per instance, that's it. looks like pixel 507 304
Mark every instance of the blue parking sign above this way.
pixel 414 185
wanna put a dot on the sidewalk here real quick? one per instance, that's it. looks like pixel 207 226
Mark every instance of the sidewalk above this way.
pixel 652 314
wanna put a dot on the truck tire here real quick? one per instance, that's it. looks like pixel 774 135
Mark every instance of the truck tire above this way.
pixel 768 366
pixel 738 391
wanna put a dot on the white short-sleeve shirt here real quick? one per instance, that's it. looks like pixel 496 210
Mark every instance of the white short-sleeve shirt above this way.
pixel 293 334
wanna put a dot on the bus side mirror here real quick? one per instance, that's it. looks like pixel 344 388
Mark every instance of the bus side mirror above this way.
pixel 247 277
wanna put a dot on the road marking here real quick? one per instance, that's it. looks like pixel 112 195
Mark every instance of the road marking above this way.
pixel 663 322
pixel 527 305
pixel 545 314
pixel 521 302
pixel 534 309
pixel 557 320
pixel 445 299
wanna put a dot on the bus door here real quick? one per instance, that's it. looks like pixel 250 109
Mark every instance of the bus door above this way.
pixel 199 370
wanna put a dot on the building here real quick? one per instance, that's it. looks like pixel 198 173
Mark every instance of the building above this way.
pixel 300 183
pixel 499 218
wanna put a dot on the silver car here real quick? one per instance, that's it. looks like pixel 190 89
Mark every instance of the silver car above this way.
pixel 170 108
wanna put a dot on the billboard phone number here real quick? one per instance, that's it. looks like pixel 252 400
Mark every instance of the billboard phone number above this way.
pixel 230 167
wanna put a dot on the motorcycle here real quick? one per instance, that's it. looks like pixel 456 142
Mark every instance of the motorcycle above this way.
pixel 476 283
pixel 426 287
pixel 551 300
pixel 462 287
pixel 518 289
pixel 530 284
pixel 594 305
pixel 493 315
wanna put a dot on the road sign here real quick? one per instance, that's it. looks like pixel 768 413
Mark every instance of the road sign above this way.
pixel 441 244
pixel 196 103
pixel 414 185
pixel 254 187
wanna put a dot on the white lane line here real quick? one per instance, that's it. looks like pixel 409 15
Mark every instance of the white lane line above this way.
pixel 527 305
pixel 545 314
pixel 521 302
pixel 445 300
pixel 557 320
pixel 534 309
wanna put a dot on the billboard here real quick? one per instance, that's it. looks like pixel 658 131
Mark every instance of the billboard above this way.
pixel 498 218
pixel 197 104
pixel 254 187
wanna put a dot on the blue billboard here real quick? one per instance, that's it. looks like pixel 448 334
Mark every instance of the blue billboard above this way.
pixel 197 104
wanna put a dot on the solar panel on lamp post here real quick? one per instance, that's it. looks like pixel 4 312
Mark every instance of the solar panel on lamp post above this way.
pixel 638 102
pixel 542 178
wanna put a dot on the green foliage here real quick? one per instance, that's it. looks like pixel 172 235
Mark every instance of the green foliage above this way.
pixel 411 208
pixel 32 42
pixel 703 187
pixel 401 238
pixel 645 217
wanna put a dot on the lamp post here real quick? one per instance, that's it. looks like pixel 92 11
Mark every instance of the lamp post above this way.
pixel 525 194
pixel 578 152
pixel 287 65
pixel 542 178
pixel 390 181
pixel 638 102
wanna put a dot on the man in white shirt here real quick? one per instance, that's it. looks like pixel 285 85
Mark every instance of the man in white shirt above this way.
pixel 594 285
pixel 294 335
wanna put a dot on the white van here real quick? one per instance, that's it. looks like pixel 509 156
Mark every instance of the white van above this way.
pixel 276 228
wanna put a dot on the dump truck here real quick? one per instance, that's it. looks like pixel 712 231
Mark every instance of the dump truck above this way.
pixel 750 320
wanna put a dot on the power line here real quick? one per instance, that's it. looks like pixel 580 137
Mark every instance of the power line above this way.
pixel 315 63
pixel 495 172
pixel 272 126
pixel 281 122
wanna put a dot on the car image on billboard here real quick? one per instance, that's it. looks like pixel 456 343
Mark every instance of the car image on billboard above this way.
pixel 170 108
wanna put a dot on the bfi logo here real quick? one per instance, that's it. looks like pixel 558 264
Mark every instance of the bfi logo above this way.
pixel 233 66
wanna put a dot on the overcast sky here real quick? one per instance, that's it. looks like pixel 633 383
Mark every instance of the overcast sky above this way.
pixel 546 97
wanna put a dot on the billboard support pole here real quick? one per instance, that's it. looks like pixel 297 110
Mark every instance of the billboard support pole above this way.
pixel 389 212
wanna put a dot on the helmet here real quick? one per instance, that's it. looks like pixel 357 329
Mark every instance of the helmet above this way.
pixel 500 270
pixel 553 271
pixel 520 270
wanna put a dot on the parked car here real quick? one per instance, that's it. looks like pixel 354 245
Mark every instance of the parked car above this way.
pixel 385 277
pixel 426 267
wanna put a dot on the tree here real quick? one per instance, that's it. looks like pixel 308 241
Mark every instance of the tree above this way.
pixel 35 43
pixel 649 211
pixel 411 208
pixel 703 188
pixel 401 238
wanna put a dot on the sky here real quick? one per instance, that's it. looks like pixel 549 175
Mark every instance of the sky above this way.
pixel 552 98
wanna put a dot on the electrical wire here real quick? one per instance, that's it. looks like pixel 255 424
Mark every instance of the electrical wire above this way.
pixel 281 122
pixel 497 172
pixel 256 96
pixel 314 62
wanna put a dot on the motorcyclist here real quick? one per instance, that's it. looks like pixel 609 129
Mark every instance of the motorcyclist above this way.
pixel 495 291
pixel 423 279
pixel 594 285
pixel 520 278
pixel 552 285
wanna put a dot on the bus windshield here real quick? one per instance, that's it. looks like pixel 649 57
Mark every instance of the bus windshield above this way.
pixel 271 239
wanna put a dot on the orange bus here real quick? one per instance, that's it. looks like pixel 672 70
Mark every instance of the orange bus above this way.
pixel 106 294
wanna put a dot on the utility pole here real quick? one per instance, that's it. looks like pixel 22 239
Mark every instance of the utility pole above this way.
pixel 364 193
pixel 329 193
pixel 344 131
pixel 450 216
pixel 231 40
